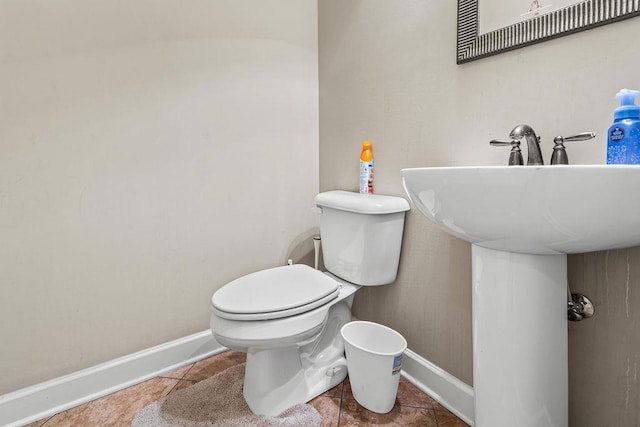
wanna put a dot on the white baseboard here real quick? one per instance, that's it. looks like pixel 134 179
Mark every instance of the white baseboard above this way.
pixel 448 390
pixel 59 394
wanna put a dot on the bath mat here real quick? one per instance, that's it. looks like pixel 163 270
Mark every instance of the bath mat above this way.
pixel 218 401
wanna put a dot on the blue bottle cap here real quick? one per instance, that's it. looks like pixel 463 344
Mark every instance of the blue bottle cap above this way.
pixel 628 108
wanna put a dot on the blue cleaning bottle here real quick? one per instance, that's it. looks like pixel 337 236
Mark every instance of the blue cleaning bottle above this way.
pixel 623 138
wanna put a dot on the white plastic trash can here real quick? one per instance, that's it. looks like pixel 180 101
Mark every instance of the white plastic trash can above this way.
pixel 374 359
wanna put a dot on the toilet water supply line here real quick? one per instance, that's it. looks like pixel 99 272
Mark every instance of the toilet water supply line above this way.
pixel 316 250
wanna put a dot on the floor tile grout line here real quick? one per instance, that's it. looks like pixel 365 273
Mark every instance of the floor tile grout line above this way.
pixel 341 401
pixel 416 406
pixel 172 388
pixel 183 375
pixel 435 415
pixel 47 420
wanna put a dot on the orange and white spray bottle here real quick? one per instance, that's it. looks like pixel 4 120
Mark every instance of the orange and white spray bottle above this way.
pixel 366 168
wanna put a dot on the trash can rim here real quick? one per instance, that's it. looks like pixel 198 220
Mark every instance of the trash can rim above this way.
pixel 389 353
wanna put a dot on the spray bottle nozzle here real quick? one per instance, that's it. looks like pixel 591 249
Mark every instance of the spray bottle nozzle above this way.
pixel 628 108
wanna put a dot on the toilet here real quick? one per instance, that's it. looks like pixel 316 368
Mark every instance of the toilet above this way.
pixel 288 319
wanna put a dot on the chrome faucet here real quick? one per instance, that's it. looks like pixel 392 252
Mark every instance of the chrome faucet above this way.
pixel 534 155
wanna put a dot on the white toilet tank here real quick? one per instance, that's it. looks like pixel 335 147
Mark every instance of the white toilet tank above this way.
pixel 361 235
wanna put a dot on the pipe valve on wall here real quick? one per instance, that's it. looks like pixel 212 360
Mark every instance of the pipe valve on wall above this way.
pixel 579 307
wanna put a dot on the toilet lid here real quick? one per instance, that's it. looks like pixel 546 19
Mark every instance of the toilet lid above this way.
pixel 274 293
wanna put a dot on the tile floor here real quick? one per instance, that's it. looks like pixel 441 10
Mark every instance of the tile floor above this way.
pixel 337 406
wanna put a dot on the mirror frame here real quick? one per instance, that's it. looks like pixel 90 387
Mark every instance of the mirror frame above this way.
pixel 581 16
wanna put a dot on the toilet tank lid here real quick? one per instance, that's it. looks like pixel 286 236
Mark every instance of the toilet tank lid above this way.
pixel 372 204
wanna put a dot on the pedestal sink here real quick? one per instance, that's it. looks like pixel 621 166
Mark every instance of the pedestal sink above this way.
pixel 522 221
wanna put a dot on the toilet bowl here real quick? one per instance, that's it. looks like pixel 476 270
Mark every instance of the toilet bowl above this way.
pixel 288 319
pixel 290 358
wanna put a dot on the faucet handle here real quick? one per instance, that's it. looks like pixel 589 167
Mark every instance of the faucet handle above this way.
pixel 515 156
pixel 559 156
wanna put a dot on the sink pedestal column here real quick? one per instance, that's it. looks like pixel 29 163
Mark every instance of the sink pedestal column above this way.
pixel 520 360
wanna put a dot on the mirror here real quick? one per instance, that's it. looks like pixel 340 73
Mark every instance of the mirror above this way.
pixel 489 27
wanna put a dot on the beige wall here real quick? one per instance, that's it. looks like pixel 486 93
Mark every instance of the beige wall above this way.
pixel 388 73
pixel 150 151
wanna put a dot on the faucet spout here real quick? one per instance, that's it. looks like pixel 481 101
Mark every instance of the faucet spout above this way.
pixel 534 155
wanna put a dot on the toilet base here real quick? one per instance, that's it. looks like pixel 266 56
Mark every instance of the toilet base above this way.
pixel 278 378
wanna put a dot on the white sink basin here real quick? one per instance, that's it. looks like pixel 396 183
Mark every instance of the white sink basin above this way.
pixel 532 209
pixel 522 221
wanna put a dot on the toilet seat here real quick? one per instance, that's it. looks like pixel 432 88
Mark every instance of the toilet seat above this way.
pixel 274 293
